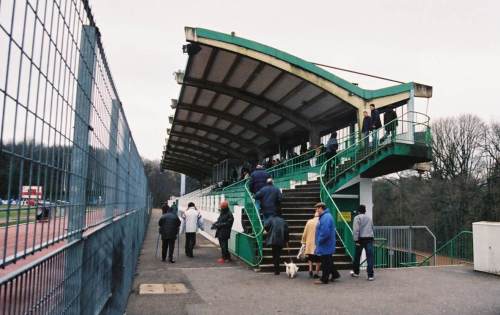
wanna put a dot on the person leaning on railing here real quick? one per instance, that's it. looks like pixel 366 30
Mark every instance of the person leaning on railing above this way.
pixel 362 233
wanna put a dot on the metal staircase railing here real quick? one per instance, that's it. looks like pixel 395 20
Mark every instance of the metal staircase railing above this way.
pixel 458 250
pixel 410 128
pixel 250 245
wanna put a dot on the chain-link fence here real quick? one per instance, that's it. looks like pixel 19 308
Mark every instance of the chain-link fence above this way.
pixel 70 173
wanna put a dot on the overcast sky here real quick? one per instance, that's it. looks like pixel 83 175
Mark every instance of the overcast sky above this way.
pixel 452 45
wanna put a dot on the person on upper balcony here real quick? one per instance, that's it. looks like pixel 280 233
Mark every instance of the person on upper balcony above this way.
pixel 390 124
pixel 366 128
pixel 376 123
pixel 269 198
pixel 258 179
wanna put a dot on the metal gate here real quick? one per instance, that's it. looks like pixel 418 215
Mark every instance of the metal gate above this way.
pixel 403 246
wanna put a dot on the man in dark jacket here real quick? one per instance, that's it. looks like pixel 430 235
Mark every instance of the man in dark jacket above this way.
pixel 325 244
pixel 332 145
pixel 258 179
pixel 223 226
pixel 169 228
pixel 366 128
pixel 277 237
pixel 269 198
pixel 390 123
pixel 375 115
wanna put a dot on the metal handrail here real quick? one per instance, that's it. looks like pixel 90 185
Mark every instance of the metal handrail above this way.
pixel 256 224
pixel 344 229
pixel 449 243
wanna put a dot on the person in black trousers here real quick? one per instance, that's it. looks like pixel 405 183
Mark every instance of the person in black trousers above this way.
pixel 169 228
pixel 223 226
pixel 367 126
pixel 277 238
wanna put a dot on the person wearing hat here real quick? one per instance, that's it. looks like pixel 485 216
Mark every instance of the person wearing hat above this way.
pixel 325 244
pixel 223 227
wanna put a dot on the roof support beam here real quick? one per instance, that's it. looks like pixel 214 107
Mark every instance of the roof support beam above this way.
pixel 234 119
pixel 185 165
pixel 189 172
pixel 184 160
pixel 220 146
pixel 186 157
pixel 196 154
pixel 197 149
pixel 220 133
pixel 252 99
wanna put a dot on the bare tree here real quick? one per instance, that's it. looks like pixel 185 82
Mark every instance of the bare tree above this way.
pixel 457 146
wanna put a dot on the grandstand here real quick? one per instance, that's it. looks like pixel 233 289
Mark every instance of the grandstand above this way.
pixel 243 103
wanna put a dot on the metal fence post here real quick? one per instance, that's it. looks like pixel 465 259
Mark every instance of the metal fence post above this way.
pixel 79 163
pixel 111 179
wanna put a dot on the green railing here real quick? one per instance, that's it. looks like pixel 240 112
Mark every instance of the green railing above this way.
pixel 411 128
pixel 457 251
pixel 380 253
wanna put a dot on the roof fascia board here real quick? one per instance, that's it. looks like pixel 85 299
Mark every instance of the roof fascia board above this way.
pixel 352 94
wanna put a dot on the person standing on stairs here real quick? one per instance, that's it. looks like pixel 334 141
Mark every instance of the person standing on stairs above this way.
pixel 366 128
pixel 325 244
pixel 258 180
pixel 192 221
pixel 308 240
pixel 277 237
pixel 269 198
pixel 332 145
pixel 375 115
pixel 362 233
pixel 223 226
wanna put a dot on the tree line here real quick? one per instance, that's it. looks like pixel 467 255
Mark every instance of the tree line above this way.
pixel 462 186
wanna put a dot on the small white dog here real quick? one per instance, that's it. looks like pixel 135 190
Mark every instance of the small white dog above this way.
pixel 291 269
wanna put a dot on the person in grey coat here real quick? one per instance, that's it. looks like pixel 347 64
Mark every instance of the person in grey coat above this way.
pixel 362 233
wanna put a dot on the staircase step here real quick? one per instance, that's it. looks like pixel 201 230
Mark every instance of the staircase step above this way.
pixel 295 249
pixel 286 257
pixel 295 193
pixel 299 204
pixel 306 186
pixel 303 266
pixel 301 199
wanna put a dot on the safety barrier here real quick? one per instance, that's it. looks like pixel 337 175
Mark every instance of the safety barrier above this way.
pixel 456 251
pixel 72 183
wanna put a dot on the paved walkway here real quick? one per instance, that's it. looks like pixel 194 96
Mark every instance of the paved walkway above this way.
pixel 234 289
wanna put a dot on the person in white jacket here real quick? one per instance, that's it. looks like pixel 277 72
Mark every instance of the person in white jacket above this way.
pixel 192 221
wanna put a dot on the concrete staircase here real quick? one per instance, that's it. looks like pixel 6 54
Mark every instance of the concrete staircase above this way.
pixel 298 207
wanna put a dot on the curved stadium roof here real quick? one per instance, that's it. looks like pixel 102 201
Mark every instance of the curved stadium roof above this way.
pixel 241 99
